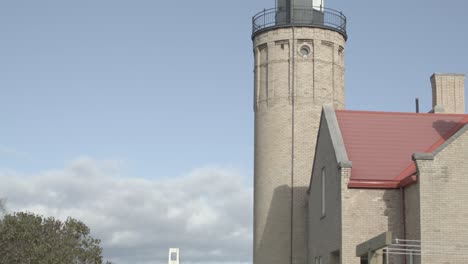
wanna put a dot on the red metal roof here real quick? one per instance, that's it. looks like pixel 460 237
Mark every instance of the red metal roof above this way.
pixel 381 144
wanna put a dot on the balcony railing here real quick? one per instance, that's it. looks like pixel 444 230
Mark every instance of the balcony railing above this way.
pixel 299 16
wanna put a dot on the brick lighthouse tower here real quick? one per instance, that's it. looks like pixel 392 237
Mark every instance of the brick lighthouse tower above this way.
pixel 299 67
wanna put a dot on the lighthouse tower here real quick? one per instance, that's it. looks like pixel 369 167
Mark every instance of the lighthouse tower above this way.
pixel 299 49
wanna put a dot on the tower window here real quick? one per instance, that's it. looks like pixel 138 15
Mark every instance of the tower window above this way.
pixel 327 43
pixel 340 50
pixel 282 43
pixel 305 50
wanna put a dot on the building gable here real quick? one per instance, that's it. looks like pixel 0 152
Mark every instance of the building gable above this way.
pixel 329 130
pixel 324 200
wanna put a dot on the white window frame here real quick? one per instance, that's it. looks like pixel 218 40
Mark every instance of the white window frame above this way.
pixel 318 260
pixel 323 192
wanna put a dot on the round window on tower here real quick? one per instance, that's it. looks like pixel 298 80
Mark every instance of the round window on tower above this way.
pixel 305 50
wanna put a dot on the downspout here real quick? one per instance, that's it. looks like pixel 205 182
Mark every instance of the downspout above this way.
pixel 403 214
pixel 293 46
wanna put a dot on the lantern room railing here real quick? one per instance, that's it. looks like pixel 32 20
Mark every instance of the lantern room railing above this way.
pixel 299 16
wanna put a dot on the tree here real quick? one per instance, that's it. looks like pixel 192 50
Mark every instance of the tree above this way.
pixel 2 206
pixel 26 238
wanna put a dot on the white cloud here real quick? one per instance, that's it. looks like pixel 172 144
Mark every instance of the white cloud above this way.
pixel 206 213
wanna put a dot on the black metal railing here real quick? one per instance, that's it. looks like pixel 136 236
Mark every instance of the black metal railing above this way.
pixel 299 16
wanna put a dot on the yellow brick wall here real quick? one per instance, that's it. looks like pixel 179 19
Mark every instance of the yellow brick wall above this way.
pixel 448 92
pixel 367 213
pixel 444 204
pixel 288 97
pixel 324 231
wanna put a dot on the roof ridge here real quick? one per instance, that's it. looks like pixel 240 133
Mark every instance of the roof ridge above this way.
pixel 448 135
pixel 400 113
pixel 442 139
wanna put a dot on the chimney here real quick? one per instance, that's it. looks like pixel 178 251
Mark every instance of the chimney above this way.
pixel 448 93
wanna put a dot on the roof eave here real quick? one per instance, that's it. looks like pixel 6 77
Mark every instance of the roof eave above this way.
pixel 335 135
pixel 372 184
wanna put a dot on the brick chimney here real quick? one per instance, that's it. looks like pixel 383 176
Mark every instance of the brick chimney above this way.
pixel 448 93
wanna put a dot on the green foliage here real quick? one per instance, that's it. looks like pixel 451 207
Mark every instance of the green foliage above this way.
pixel 2 206
pixel 26 238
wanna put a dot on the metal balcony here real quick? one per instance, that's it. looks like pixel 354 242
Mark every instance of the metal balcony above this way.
pixel 299 16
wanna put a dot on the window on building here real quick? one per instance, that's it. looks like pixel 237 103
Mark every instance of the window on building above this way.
pixel 411 258
pixel 173 256
pixel 323 192
pixel 335 257
pixel 318 260
pixel 364 260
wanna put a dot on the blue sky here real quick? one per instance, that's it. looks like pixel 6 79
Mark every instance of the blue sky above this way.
pixel 166 86
pixel 161 89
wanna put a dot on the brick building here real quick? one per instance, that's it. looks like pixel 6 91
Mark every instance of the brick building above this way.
pixel 389 187
pixel 339 186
